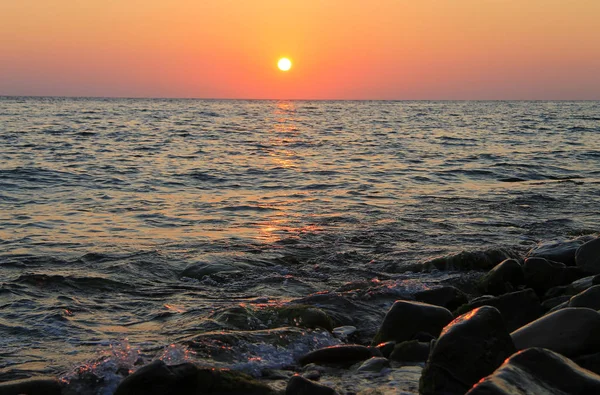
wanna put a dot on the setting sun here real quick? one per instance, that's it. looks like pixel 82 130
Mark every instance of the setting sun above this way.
pixel 284 64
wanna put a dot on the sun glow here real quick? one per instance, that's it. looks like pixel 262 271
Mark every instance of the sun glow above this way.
pixel 284 64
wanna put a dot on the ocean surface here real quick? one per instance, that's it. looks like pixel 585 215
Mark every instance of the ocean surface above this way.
pixel 105 202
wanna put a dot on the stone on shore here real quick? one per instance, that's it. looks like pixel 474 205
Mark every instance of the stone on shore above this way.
pixel 34 386
pixel 407 318
pixel 518 308
pixel 589 298
pixel 299 385
pixel 558 251
pixel 587 256
pixel 471 260
pixel 538 371
pixel 469 348
pixel 345 355
pixel 571 331
pixel 188 379
pixel 542 274
pixel 410 351
pixel 447 296
pixel 505 277
pixel 374 364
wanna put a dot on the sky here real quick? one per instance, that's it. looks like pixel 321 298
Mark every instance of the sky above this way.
pixel 340 49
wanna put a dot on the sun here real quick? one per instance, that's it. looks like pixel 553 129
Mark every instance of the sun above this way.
pixel 284 64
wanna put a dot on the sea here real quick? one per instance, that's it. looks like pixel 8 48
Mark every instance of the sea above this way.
pixel 128 225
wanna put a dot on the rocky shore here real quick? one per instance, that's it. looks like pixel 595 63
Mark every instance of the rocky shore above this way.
pixel 511 324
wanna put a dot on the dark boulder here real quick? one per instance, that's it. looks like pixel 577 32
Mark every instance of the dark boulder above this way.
pixel 571 331
pixel 589 298
pixel 188 379
pixel 558 251
pixel 447 296
pixel 542 274
pixel 411 351
pixel 587 256
pixel 298 385
pixel 386 348
pixel 407 318
pixel 505 277
pixel 374 364
pixel 469 348
pixel 345 355
pixel 538 371
pixel 36 386
pixel 518 308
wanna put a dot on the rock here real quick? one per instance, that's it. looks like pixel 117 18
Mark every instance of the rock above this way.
pixel 344 355
pixel 518 308
pixel 505 277
pixel 538 371
pixel 574 288
pixel 590 362
pixel 587 256
pixel 343 332
pixel 410 351
pixel 553 304
pixel 406 318
pixel 386 348
pixel 571 331
pixel 375 364
pixel 447 296
pixel 251 318
pixel 35 386
pixel 589 298
pixel 471 260
pixel 557 251
pixel 188 379
pixel 469 348
pixel 298 385
pixel 541 274
pixel 199 270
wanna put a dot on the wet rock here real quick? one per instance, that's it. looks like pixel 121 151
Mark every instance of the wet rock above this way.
pixel 557 251
pixel 410 351
pixel 518 308
pixel 344 311
pixel 447 296
pixel 541 274
pixel 571 331
pixel 553 304
pixel 505 277
pixel 374 364
pixel 345 355
pixel 589 298
pixel 590 362
pixel 469 348
pixel 386 348
pixel 250 318
pixel 298 385
pixel 188 379
pixel 406 318
pixel 471 260
pixel 344 332
pixel 587 256
pixel 36 386
pixel 574 288
pixel 538 371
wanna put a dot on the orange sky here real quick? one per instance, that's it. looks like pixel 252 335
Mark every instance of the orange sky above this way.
pixel 341 49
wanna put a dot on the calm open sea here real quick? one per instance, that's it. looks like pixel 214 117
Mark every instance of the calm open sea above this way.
pixel 104 203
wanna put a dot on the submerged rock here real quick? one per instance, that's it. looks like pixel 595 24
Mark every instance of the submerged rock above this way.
pixel 469 348
pixel 447 296
pixel 199 270
pixel 571 331
pixel 374 364
pixel 505 277
pixel 517 308
pixel 558 251
pixel 538 371
pixel 298 385
pixel 587 256
pixel 471 260
pixel 406 318
pixel 35 386
pixel 188 379
pixel 410 351
pixel 344 355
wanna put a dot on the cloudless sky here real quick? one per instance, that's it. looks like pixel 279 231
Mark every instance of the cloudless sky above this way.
pixel 340 49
